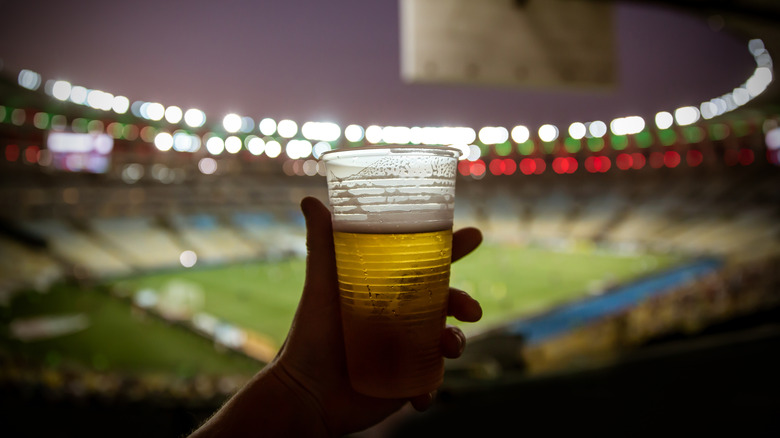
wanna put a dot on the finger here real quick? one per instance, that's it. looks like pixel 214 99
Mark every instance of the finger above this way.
pixel 464 241
pixel 463 307
pixel 422 402
pixel 453 342
pixel 320 260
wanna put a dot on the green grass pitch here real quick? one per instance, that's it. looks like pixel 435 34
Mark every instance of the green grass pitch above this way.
pixel 508 281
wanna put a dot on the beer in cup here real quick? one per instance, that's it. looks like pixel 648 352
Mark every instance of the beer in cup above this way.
pixel 392 229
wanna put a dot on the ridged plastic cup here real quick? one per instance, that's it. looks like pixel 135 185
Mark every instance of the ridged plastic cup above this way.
pixel 392 219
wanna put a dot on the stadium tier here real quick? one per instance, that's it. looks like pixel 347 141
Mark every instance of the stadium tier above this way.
pixel 190 238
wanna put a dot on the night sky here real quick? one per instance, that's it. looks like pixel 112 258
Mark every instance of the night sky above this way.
pixel 339 61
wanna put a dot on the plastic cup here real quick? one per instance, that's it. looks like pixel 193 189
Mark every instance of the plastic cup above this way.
pixel 392 219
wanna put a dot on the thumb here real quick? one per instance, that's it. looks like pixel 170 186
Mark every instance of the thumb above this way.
pixel 321 258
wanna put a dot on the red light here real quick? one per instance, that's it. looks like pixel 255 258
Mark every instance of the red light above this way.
pixel 477 168
pixel 496 166
pixel 639 160
pixel 605 164
pixel 540 166
pixel 560 165
pixel 527 166
pixel 671 159
pixel 590 164
pixel 656 160
pixel 597 164
pixel 746 157
pixel 624 161
pixel 464 167
pixel 509 166
pixel 12 152
pixel 694 157
pixel 31 154
pixel 573 165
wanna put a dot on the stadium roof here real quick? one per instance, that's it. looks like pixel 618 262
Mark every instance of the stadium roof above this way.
pixel 339 61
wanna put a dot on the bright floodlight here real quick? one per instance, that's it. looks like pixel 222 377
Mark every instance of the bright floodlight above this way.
pixel 233 144
pixel 267 126
pixel 273 149
pixel 323 131
pixel 320 148
pixel 194 118
pixel 396 134
pixel 61 90
pixel 287 128
pixel 353 133
pixel 597 129
pixel 520 134
pixel 163 141
pixel 173 114
pixel 686 115
pixel 374 134
pixel 493 135
pixel 548 132
pixel 155 111
pixel 232 122
pixel 120 104
pixel 577 130
pixel 215 145
pixel 255 145
pixel 78 94
pixel 664 120
pixel 627 125
pixel 298 149
pixel 29 79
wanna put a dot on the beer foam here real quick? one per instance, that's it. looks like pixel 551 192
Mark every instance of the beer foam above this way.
pixel 392 189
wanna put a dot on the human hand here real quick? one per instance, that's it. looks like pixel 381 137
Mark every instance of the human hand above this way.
pixel 305 389
pixel 313 356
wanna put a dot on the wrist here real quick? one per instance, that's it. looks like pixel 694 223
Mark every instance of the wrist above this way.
pixel 271 404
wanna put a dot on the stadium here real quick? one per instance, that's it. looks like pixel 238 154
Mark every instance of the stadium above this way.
pixel 152 257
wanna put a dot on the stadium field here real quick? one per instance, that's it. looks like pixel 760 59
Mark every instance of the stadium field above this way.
pixel 262 296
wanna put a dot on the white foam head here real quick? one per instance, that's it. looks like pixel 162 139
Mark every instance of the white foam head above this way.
pixel 392 189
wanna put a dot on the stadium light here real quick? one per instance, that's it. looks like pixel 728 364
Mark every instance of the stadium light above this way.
pixel 231 122
pixel 664 120
pixel 493 135
pixel 61 90
pixel 686 115
pixel 173 114
pixel 548 132
pixel 374 134
pixel 577 130
pixel 163 141
pixel 321 131
pixel 255 145
pixel 287 128
pixel 267 126
pixel 154 111
pixel 354 133
pixel 273 148
pixel 215 145
pixel 194 118
pixel 520 134
pixel 120 104
pixel 233 144
pixel 29 79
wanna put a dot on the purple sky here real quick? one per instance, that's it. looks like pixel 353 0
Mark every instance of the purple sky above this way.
pixel 339 61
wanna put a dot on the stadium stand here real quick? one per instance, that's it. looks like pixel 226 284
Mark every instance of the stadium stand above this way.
pixel 141 243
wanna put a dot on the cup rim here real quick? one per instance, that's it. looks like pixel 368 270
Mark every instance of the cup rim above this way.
pixel 370 150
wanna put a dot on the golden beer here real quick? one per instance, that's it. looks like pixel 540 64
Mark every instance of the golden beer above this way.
pixel 394 290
